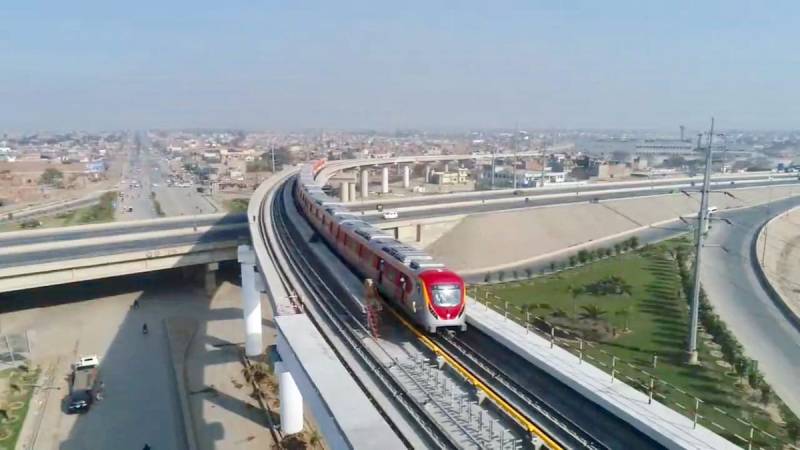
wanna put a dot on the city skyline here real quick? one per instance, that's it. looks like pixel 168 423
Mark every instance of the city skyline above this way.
pixel 361 66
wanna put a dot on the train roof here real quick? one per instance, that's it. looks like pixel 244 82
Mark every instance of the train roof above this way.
pixel 324 200
pixel 336 210
pixel 353 224
pixel 369 232
pixel 379 240
pixel 409 256
pixel 342 218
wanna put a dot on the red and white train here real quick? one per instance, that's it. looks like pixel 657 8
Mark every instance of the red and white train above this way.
pixel 429 293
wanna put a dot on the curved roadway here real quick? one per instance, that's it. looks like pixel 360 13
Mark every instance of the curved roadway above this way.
pixel 660 186
pixel 534 202
pixel 742 302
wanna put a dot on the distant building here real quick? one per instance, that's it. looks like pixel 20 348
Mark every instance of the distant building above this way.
pixel 460 176
pixel 607 170
pixel 96 167
pixel 211 157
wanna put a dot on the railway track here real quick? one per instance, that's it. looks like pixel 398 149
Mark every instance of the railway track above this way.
pixel 507 397
pixel 299 277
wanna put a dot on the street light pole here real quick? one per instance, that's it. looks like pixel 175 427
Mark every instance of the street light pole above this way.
pixel 702 216
pixel 492 187
pixel 272 150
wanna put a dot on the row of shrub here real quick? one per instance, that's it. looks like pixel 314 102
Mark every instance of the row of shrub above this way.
pixel 583 256
pixel 732 351
pixel 103 211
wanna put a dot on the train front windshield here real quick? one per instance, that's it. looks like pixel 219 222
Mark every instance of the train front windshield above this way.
pixel 446 295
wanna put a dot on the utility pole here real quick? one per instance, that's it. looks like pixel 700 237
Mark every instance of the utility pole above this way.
pixel 516 150
pixel 492 187
pixel 272 149
pixel 544 153
pixel 702 216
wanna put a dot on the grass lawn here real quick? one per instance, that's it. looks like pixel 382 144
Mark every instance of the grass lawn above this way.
pixel 656 315
pixel 236 205
pixel 15 402
pixel 98 213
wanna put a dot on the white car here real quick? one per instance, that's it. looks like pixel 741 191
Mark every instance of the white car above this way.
pixel 87 361
pixel 390 215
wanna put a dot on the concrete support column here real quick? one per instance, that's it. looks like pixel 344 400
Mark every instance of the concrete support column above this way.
pixel 251 302
pixel 406 177
pixel 210 280
pixel 427 174
pixel 385 180
pixel 291 401
pixel 344 191
pixel 364 184
pixel 352 187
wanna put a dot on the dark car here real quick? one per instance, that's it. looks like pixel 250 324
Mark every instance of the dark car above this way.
pixel 79 402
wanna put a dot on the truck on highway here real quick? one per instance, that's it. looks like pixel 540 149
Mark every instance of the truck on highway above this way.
pixel 83 385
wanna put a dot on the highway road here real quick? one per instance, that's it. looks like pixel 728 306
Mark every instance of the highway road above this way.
pixel 740 299
pixel 442 210
pixel 105 249
pixel 146 174
pixel 135 202
pixel 659 185
pixel 177 201
pixel 80 232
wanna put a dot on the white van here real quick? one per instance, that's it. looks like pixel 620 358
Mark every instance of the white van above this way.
pixel 390 215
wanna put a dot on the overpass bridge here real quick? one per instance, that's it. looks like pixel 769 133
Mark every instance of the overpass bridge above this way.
pixel 31 259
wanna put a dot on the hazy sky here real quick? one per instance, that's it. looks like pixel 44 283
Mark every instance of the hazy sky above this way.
pixel 380 64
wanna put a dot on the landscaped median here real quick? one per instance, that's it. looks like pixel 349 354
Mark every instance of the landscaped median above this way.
pixel 628 314
pixel 16 387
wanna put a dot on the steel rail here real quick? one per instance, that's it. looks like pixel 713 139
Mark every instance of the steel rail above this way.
pixel 302 279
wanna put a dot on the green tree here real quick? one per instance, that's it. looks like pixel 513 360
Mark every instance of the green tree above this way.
pixel 754 378
pixel 51 177
pixel 583 256
pixel 574 293
pixel 634 242
pixel 617 248
pixel 624 314
pixel 488 277
pixel 528 272
pixel 592 312
pixel 573 260
pixel 792 428
pixel 283 157
pixel 766 394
